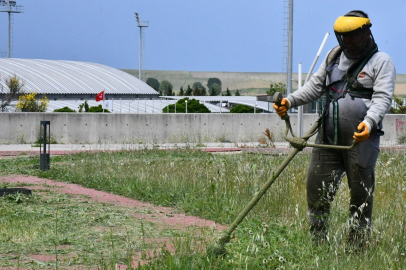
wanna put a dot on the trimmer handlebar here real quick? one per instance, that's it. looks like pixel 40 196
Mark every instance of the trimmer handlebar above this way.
pixel 301 142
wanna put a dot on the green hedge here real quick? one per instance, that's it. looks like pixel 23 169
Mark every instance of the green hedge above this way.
pixel 242 109
pixel 64 109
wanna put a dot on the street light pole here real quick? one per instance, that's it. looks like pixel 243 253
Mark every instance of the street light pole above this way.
pixel 141 24
pixel 290 50
pixel 9 35
pixel 140 55
pixel 6 6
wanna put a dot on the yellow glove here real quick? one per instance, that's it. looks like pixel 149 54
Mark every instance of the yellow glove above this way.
pixel 283 108
pixel 362 134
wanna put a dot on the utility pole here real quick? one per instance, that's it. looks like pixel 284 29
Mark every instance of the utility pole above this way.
pixel 290 50
pixel 141 24
pixel 10 7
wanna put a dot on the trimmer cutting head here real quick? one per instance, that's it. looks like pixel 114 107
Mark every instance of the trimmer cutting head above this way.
pixel 216 249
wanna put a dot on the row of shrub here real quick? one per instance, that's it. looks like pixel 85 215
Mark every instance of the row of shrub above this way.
pixel 84 107
pixel 193 106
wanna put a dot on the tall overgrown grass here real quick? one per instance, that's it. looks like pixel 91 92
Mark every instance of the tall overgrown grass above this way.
pixel 274 235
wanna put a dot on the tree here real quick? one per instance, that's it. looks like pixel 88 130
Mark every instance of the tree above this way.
pixel 203 91
pixel 240 108
pixel 196 91
pixel 228 93
pixel 198 85
pixel 199 91
pixel 29 103
pixel 170 91
pixel 15 89
pixel 212 92
pixel 237 93
pixel 193 106
pixel 400 108
pixel 181 92
pixel 165 88
pixel 154 83
pixel 189 91
pixel 217 88
pixel 212 81
pixel 276 87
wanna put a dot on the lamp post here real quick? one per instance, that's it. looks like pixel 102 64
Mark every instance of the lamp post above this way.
pixel 290 50
pixel 186 105
pixel 141 24
pixel 10 7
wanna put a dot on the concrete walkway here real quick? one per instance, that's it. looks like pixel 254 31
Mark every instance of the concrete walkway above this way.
pixel 61 149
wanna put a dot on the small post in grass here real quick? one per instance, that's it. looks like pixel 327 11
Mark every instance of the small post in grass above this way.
pixel 44 155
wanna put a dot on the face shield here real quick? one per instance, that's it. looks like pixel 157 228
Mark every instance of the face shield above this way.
pixel 353 35
pixel 354 43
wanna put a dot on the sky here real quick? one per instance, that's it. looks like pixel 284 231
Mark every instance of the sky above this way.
pixel 197 35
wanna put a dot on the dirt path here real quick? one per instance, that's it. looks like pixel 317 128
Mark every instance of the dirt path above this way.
pixel 163 217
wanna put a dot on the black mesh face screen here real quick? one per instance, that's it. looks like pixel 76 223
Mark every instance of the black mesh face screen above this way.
pixel 354 44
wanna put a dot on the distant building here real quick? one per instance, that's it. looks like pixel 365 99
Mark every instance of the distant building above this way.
pixel 72 80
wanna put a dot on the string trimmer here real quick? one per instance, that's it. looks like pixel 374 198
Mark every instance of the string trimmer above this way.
pixel 298 143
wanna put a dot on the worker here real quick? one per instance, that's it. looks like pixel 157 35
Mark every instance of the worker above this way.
pixel 358 81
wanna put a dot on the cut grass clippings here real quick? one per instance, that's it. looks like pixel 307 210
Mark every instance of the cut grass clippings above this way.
pixel 48 229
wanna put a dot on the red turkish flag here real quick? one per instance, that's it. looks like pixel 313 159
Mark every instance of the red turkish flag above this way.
pixel 100 96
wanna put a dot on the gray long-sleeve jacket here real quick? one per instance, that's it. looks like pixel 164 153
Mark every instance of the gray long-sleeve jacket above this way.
pixel 379 73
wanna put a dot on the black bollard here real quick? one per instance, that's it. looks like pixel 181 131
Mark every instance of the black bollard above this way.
pixel 44 155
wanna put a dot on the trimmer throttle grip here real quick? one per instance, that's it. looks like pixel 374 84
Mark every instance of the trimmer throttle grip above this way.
pixel 277 98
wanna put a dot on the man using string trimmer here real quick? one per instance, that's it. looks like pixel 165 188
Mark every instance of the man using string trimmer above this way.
pixel 358 81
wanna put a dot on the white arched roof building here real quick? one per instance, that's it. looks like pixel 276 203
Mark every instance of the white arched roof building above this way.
pixel 59 79
pixel 69 83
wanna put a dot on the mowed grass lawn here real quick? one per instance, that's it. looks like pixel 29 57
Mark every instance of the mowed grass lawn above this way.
pixel 273 236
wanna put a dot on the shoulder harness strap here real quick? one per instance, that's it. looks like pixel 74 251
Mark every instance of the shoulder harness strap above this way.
pixel 331 58
pixel 333 54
